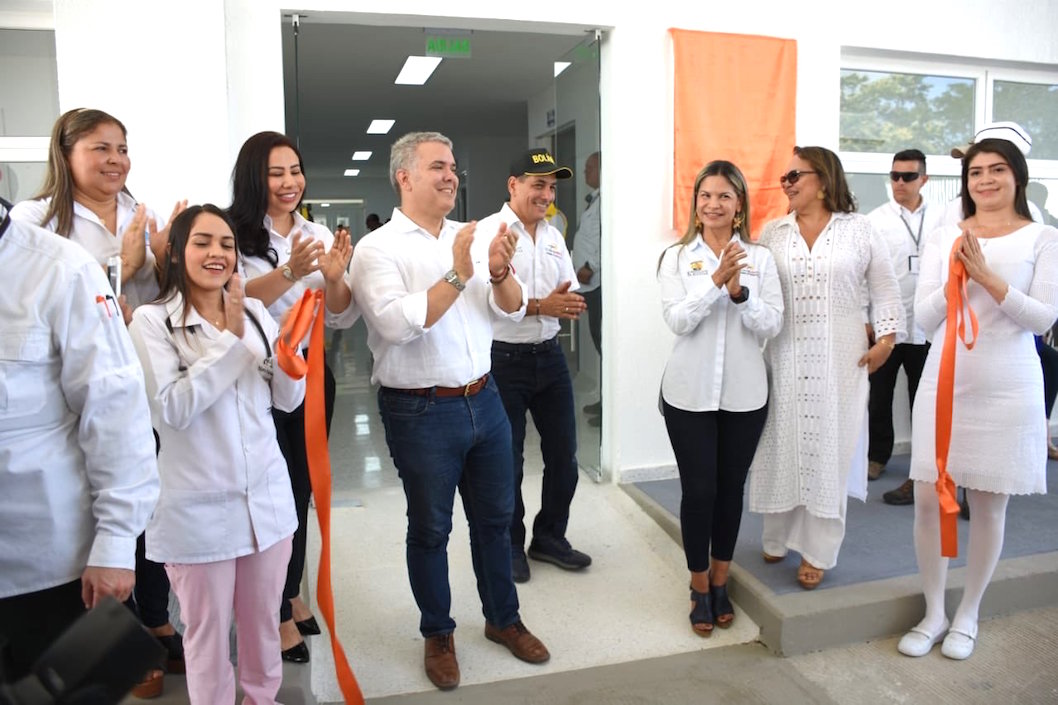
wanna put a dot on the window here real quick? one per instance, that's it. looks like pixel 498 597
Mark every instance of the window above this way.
pixel 890 102
pixel 883 112
pixel 29 106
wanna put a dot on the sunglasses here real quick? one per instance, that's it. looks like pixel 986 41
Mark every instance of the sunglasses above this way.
pixel 793 176
pixel 906 176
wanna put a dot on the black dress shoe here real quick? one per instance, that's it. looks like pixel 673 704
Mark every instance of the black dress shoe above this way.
pixel 308 627
pixel 299 653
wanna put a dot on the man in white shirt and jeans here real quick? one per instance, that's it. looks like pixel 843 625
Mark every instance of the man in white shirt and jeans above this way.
pixel 904 222
pixel 78 477
pixel 529 364
pixel 429 290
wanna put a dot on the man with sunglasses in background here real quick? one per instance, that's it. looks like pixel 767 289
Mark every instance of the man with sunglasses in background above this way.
pixel 904 222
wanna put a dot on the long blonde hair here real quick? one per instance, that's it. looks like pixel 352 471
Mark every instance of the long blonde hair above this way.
pixel 734 177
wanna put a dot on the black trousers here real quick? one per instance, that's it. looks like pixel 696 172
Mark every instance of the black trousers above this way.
pixel 1049 363
pixel 593 299
pixel 29 624
pixel 880 403
pixel 150 598
pixel 290 432
pixel 713 450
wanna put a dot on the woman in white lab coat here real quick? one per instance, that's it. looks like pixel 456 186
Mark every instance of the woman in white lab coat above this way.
pixel 225 516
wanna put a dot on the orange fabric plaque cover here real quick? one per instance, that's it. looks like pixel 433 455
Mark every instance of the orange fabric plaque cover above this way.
pixel 735 99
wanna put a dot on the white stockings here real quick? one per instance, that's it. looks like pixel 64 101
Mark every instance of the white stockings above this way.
pixel 987 522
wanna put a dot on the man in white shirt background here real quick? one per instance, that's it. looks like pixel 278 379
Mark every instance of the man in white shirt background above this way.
pixel 904 222
pixel 78 477
pixel 587 259
pixel 429 290
pixel 530 365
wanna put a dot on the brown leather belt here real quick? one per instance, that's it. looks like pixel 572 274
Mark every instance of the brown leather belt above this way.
pixel 467 390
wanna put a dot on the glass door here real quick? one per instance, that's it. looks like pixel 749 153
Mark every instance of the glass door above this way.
pixel 575 141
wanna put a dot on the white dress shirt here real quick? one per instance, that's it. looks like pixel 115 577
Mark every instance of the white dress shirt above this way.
pixel 587 243
pixel 225 489
pixel 905 232
pixel 716 362
pixel 393 268
pixel 90 233
pixel 253 267
pixel 78 478
pixel 542 264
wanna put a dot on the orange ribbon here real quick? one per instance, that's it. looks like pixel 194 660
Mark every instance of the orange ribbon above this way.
pixel 309 311
pixel 955 326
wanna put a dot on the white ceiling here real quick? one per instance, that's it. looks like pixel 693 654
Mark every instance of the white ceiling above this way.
pixel 345 78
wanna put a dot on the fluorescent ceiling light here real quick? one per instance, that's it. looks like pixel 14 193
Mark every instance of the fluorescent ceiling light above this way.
pixel 325 205
pixel 352 172
pixel 361 156
pixel 380 127
pixel 417 70
pixel 561 66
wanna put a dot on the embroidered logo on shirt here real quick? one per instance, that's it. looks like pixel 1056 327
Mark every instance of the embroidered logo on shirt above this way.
pixel 554 250
pixel 697 269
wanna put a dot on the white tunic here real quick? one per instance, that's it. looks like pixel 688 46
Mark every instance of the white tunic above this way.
pixel 810 453
pixel 999 426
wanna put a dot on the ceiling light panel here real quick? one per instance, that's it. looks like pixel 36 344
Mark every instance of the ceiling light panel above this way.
pixel 361 156
pixel 380 127
pixel 417 70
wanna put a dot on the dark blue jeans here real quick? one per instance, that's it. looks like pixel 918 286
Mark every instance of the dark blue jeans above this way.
pixel 439 444
pixel 535 378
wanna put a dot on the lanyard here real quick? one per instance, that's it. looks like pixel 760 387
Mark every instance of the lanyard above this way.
pixel 3 225
pixel 916 238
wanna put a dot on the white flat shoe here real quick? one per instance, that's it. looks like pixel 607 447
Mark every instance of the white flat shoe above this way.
pixel 959 644
pixel 918 642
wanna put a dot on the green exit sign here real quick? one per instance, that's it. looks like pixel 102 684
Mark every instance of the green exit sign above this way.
pixel 448 47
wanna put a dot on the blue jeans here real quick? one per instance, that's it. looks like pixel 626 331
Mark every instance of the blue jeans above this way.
pixel 535 378
pixel 439 444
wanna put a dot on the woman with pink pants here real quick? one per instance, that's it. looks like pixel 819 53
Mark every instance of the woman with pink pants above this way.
pixel 225 517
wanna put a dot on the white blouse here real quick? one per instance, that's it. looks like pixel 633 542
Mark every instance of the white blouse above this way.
pixel 90 233
pixel 225 489
pixel 716 362
pixel 253 267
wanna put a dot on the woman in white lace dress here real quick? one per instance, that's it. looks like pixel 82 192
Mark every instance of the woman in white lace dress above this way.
pixel 998 433
pixel 813 451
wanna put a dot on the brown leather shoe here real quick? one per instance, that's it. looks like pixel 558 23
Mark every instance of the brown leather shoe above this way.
pixel 875 470
pixel 904 494
pixel 1052 451
pixel 441 666
pixel 520 642
pixel 151 686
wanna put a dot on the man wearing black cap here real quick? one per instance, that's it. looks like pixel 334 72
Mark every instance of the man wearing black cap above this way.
pixel 529 364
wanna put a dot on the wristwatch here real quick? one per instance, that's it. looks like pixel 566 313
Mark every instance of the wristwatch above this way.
pixel 452 278
pixel 743 295
pixel 288 273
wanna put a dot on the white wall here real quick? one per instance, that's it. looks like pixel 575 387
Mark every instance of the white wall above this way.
pixel 198 76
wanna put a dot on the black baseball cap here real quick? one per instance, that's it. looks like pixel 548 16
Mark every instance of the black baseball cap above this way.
pixel 535 162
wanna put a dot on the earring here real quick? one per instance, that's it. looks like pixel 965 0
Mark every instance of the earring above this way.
pixel 697 223
pixel 821 194
pixel 738 220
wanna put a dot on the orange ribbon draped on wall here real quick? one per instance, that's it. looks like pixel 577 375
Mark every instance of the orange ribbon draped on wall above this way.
pixel 735 99
pixel 309 311
pixel 955 326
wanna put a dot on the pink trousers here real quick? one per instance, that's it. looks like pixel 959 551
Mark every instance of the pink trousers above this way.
pixel 208 592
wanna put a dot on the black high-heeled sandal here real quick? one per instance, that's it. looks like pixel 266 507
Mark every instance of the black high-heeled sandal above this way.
pixel 702 614
pixel 722 606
